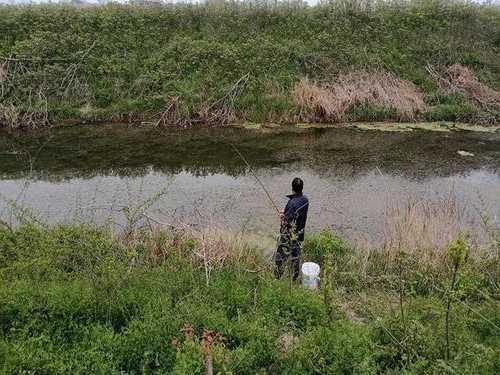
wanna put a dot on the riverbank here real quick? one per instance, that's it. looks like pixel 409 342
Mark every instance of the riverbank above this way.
pixel 188 66
pixel 441 126
pixel 82 299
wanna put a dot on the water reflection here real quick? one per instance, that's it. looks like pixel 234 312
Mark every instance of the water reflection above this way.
pixel 119 150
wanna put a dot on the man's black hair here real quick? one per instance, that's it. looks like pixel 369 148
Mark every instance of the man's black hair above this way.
pixel 297 185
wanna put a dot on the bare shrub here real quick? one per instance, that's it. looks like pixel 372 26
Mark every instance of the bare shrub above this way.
pixel 29 113
pixel 215 248
pixel 4 78
pixel 209 248
pixel 222 111
pixel 210 112
pixel 332 101
pixel 460 79
pixel 30 110
pixel 71 85
pixel 463 79
pixel 9 115
pixel 424 228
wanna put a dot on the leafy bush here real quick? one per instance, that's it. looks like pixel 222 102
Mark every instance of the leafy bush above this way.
pixel 453 112
pixel 325 244
pixel 343 348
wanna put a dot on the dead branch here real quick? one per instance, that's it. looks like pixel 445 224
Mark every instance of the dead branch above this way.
pixel 172 115
pixel 222 111
pixel 72 70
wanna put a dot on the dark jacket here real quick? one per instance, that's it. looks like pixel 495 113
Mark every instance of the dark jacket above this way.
pixel 296 213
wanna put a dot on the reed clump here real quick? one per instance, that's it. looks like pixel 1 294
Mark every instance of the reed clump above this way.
pixel 424 228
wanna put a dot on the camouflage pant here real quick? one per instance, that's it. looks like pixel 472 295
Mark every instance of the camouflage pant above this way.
pixel 287 248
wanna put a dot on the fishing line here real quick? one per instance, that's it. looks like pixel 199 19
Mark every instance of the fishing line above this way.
pixel 257 178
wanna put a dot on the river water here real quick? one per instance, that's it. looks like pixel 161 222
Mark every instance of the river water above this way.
pixel 194 177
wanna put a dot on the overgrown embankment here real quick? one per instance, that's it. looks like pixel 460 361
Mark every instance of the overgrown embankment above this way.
pixel 188 65
pixel 82 300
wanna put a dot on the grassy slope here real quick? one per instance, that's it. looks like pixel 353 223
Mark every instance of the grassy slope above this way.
pixel 141 56
pixel 77 300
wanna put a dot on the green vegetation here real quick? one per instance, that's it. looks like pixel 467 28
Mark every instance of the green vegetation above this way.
pixel 188 65
pixel 78 299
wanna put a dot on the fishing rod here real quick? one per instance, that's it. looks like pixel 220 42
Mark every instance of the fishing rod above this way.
pixel 258 180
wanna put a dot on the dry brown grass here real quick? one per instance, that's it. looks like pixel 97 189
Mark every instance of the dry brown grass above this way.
pixel 209 248
pixel 332 101
pixel 3 72
pixel 315 102
pixel 211 114
pixel 213 248
pixel 460 79
pixel 424 228
pixel 219 113
pixel 12 117
pixel 9 116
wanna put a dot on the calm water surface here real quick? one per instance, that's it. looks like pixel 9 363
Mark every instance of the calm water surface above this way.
pixel 87 173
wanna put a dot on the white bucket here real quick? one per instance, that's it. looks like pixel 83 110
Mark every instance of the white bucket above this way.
pixel 310 275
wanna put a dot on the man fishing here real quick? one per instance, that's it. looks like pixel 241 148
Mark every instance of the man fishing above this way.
pixel 293 222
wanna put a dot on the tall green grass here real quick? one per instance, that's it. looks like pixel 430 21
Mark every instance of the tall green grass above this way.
pixel 131 63
pixel 78 299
